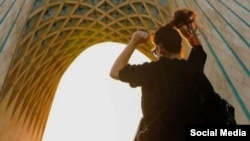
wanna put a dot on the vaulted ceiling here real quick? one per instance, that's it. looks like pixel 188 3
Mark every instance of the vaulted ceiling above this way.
pixel 57 31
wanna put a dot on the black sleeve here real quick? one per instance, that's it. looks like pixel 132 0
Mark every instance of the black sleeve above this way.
pixel 137 75
pixel 198 57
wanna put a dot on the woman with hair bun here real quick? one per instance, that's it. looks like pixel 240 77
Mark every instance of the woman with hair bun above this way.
pixel 166 83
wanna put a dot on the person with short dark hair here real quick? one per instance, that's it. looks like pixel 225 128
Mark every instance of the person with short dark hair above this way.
pixel 166 85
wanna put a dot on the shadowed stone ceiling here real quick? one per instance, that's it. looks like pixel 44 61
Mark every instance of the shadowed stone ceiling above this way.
pixel 55 33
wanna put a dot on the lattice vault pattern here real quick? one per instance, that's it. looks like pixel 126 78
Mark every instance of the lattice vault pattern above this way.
pixel 56 33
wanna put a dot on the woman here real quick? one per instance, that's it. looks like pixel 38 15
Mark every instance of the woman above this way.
pixel 166 83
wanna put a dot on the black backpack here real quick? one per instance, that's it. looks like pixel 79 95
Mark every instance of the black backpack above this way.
pixel 213 108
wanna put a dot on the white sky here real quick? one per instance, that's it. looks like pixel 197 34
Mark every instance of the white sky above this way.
pixel 89 105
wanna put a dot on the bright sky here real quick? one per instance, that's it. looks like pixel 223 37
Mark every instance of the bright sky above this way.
pixel 89 105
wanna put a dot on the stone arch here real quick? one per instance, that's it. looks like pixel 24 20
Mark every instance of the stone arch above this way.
pixel 56 32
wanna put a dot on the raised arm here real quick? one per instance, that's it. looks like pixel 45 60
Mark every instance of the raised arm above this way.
pixel 122 60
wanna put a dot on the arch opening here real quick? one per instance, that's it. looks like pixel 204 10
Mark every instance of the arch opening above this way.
pixel 90 105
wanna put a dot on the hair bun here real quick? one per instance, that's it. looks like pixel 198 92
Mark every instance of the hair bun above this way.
pixel 185 16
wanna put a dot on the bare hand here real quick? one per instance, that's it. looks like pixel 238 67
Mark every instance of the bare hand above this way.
pixel 189 31
pixel 139 37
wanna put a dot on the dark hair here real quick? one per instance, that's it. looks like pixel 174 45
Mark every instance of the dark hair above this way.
pixel 185 16
pixel 169 38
